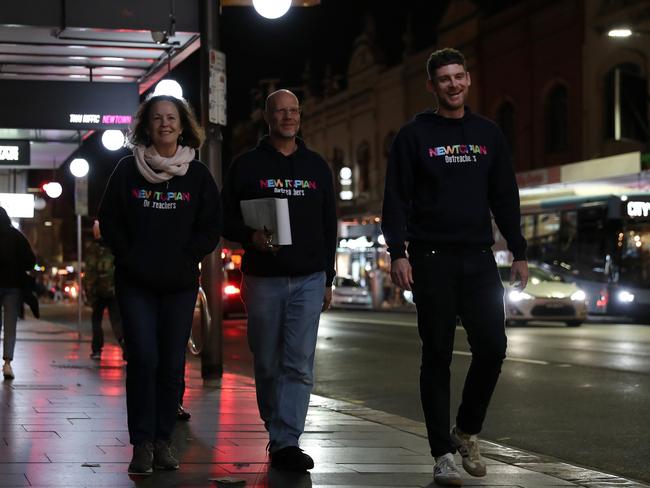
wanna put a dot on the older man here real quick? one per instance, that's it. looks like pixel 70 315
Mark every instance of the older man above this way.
pixel 284 287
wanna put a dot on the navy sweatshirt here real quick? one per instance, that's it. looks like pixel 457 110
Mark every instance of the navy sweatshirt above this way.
pixel 159 232
pixel 444 177
pixel 305 179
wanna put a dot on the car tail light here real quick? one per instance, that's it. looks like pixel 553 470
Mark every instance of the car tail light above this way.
pixel 230 289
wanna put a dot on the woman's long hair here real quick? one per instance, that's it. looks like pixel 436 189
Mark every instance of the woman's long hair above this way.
pixel 192 135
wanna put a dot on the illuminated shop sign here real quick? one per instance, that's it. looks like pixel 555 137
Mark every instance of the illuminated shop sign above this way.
pixel 89 119
pixel 638 209
pixel 18 205
pixel 67 104
pixel 14 153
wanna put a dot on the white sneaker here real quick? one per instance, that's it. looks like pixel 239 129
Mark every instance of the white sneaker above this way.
pixel 467 446
pixel 445 472
pixel 7 372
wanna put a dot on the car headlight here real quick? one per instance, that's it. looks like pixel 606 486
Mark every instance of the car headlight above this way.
pixel 517 296
pixel 579 296
pixel 625 296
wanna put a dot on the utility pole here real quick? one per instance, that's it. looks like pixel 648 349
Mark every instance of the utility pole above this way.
pixel 212 266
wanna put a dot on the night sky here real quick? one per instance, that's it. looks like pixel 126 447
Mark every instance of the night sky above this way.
pixel 259 48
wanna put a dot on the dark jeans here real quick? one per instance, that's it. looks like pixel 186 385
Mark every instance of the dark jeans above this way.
pixel 464 283
pixel 156 329
pixel 98 306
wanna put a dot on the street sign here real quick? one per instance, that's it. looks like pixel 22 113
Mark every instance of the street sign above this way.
pixel 217 88
pixel 67 104
pixel 81 196
pixel 18 205
pixel 14 153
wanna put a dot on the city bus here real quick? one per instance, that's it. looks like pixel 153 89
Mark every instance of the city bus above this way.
pixel 600 242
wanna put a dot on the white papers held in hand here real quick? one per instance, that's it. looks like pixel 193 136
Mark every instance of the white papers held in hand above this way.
pixel 271 214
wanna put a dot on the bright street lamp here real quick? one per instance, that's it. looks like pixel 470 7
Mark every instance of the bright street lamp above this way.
pixel 79 167
pixel 113 139
pixel 53 189
pixel 171 88
pixel 620 32
pixel 272 9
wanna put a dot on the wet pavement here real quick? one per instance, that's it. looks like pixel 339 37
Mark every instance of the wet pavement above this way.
pixel 63 423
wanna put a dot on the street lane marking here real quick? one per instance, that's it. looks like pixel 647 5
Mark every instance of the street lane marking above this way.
pixel 370 321
pixel 411 324
pixel 518 360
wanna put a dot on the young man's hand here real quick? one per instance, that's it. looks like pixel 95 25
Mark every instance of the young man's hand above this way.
pixel 519 274
pixel 401 273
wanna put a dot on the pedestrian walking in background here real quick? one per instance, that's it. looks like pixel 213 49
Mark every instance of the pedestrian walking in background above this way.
pixel 16 257
pixel 449 169
pixel 99 285
pixel 160 215
pixel 284 288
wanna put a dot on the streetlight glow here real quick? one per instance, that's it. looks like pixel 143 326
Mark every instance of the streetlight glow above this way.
pixel 113 139
pixel 79 167
pixel 53 189
pixel 171 88
pixel 272 9
pixel 620 32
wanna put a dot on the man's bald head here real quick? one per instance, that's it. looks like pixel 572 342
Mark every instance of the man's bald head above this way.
pixel 282 113
pixel 271 101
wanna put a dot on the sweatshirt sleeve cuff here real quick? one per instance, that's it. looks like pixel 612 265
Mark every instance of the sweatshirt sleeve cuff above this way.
pixel 329 279
pixel 397 254
pixel 519 255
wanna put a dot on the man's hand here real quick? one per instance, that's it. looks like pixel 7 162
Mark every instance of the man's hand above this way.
pixel 327 298
pixel 262 241
pixel 400 273
pixel 519 274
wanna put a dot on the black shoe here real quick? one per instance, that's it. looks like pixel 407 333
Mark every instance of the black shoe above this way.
pixel 163 458
pixel 182 414
pixel 142 460
pixel 291 458
pixel 96 355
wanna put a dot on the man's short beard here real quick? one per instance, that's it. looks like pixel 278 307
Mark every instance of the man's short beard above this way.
pixel 280 135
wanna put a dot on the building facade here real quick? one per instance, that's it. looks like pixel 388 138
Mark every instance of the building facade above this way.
pixel 546 71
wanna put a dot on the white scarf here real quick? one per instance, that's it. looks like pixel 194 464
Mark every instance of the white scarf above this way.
pixel 156 168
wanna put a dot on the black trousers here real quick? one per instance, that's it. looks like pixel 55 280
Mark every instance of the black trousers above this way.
pixel 464 283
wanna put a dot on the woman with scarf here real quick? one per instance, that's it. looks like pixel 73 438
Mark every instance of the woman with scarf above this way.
pixel 160 215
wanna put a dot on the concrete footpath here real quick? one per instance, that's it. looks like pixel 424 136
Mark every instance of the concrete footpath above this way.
pixel 63 424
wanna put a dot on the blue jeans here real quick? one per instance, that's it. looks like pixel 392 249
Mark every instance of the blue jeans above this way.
pixel 156 329
pixel 9 302
pixel 283 315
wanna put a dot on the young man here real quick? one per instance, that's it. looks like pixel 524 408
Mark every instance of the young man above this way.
pixel 284 287
pixel 448 169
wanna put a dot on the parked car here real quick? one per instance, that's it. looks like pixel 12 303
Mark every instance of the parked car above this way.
pixel 546 298
pixel 347 293
pixel 231 293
